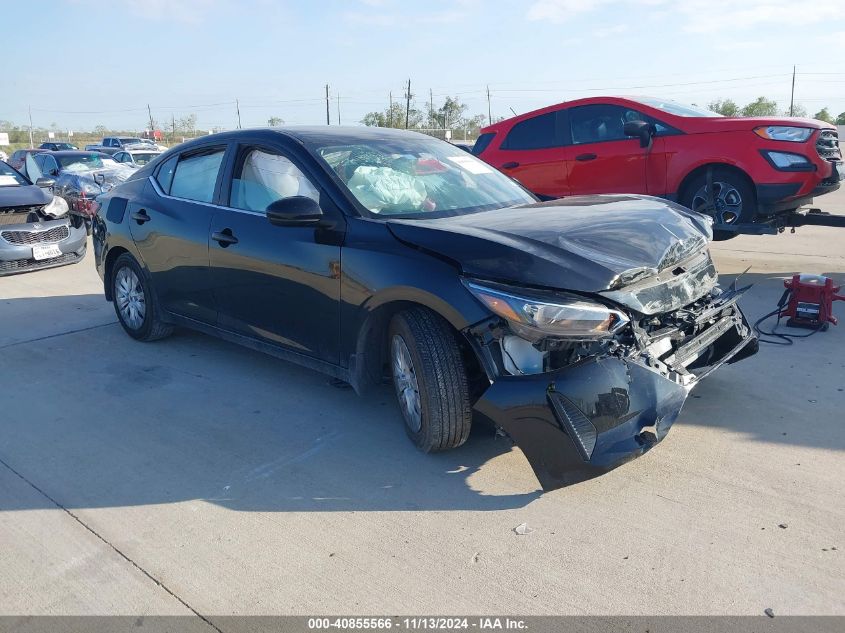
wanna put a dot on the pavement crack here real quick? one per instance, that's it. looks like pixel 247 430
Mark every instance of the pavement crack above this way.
pixel 58 334
pixel 109 544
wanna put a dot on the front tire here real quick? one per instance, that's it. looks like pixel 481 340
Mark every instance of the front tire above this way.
pixel 135 303
pixel 732 200
pixel 430 380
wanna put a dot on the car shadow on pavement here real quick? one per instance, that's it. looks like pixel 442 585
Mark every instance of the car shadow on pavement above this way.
pixel 95 419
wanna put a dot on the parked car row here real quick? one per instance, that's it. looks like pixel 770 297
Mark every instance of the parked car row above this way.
pixel 577 324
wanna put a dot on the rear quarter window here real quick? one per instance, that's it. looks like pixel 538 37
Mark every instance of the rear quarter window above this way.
pixel 164 177
pixel 483 142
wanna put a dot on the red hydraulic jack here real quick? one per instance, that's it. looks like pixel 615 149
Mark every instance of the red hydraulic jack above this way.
pixel 810 303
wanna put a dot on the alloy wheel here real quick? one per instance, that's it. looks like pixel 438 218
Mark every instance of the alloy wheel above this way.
pixel 405 380
pixel 129 296
pixel 725 207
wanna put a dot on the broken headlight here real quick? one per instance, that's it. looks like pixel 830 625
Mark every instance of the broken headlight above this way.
pixel 535 314
pixel 56 208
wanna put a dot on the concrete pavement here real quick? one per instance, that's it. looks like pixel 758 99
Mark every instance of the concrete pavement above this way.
pixel 193 475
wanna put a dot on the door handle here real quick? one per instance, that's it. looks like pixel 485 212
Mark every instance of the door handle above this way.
pixel 510 165
pixel 140 216
pixel 585 157
pixel 224 237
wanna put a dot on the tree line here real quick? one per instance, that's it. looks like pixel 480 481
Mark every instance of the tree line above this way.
pixel 762 106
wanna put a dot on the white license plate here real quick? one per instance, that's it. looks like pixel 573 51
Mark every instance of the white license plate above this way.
pixel 46 251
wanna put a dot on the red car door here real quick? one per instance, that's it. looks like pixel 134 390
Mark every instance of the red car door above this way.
pixel 601 158
pixel 534 154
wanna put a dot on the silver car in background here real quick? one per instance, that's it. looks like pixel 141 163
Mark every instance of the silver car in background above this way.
pixel 35 228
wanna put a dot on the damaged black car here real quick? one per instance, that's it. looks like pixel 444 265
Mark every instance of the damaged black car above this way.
pixel 577 326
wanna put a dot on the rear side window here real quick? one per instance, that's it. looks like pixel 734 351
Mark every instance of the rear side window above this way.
pixel 196 175
pixel 539 132
pixel 165 174
pixel 483 142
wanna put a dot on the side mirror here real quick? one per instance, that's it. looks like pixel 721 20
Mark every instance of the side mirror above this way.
pixel 295 211
pixel 45 183
pixel 640 129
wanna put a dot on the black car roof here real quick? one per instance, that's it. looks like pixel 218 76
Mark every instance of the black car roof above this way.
pixel 319 134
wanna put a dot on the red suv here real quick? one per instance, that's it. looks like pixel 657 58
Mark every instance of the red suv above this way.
pixel 758 167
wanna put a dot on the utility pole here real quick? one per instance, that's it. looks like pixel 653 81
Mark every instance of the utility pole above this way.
pixel 338 108
pixel 328 122
pixel 173 125
pixel 390 112
pixel 238 108
pixel 792 96
pixel 31 144
pixel 489 111
pixel 408 104
pixel 152 123
pixel 431 105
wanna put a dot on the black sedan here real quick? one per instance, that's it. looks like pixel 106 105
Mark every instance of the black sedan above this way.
pixel 577 326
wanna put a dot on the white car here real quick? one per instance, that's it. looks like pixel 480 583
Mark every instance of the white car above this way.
pixel 137 156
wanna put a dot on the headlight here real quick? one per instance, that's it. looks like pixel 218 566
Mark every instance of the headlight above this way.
pixel 537 315
pixel 788 162
pixel 56 208
pixel 784 133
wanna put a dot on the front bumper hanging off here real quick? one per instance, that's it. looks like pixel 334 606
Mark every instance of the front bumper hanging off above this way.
pixel 583 420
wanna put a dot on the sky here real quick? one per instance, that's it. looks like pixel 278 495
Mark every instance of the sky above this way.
pixel 83 63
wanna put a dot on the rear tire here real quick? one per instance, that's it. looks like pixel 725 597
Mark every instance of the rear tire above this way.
pixel 135 302
pixel 430 380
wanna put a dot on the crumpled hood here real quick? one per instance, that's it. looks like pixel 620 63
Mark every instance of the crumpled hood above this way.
pixel 582 243
pixel 23 196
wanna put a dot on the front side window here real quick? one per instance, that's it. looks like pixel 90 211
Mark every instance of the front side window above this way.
pixel 599 123
pixel 262 178
pixel 196 175
pixel 419 178
pixel 539 132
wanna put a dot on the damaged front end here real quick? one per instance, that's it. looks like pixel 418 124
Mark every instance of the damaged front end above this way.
pixel 38 236
pixel 583 384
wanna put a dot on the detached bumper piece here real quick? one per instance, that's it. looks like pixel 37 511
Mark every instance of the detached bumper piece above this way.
pixel 585 419
pixel 582 421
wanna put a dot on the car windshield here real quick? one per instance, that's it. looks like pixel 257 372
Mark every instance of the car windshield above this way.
pixel 142 158
pixel 130 141
pixel 417 178
pixel 678 109
pixel 10 178
pixel 85 162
